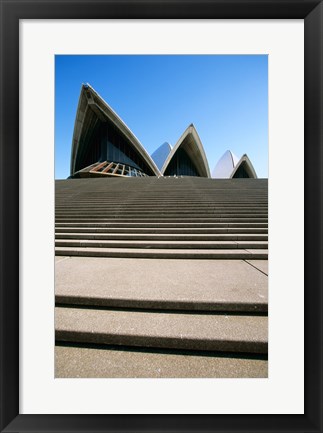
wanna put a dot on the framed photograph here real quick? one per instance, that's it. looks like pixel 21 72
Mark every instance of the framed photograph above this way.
pixel 229 371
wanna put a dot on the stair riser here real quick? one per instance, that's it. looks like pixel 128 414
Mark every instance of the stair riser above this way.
pixel 173 204
pixel 162 231
pixel 186 254
pixel 195 213
pixel 154 304
pixel 166 220
pixel 161 245
pixel 169 343
pixel 129 207
pixel 161 237
pixel 115 226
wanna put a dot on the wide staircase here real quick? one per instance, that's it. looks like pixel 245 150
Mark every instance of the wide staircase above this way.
pixel 161 277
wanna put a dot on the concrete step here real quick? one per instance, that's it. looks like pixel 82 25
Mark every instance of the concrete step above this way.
pixel 221 285
pixel 135 229
pixel 185 214
pixel 161 237
pixel 215 332
pixel 249 254
pixel 186 193
pixel 166 219
pixel 156 244
pixel 183 190
pixel 129 207
pixel 158 204
pixel 163 225
pixel 165 194
pixel 123 217
pixel 197 193
pixel 191 244
pixel 107 205
pixel 79 361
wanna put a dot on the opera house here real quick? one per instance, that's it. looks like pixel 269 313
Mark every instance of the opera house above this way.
pixel 103 145
pixel 161 272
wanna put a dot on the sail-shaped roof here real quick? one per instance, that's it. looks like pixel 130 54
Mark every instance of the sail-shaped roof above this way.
pixel 230 166
pixel 225 165
pixel 161 153
pixel 93 110
pixel 187 156
pixel 244 168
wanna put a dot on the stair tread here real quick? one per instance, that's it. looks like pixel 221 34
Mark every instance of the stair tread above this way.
pixel 152 252
pixel 222 285
pixel 106 362
pixel 169 244
pixel 162 236
pixel 162 226
pixel 239 333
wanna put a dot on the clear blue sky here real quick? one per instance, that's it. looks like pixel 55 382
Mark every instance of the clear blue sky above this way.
pixel 157 96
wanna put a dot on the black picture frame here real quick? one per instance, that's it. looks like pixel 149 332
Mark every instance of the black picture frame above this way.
pixel 11 12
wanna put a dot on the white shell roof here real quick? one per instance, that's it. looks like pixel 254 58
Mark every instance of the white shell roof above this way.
pixel 193 145
pixel 245 161
pixel 161 153
pixel 89 97
pixel 225 165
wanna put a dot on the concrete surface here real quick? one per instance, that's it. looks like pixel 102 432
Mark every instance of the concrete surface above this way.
pixel 162 225
pixel 82 362
pixel 191 244
pixel 162 253
pixel 210 299
pixel 262 265
pixel 222 285
pixel 238 333
pixel 59 259
pixel 161 236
